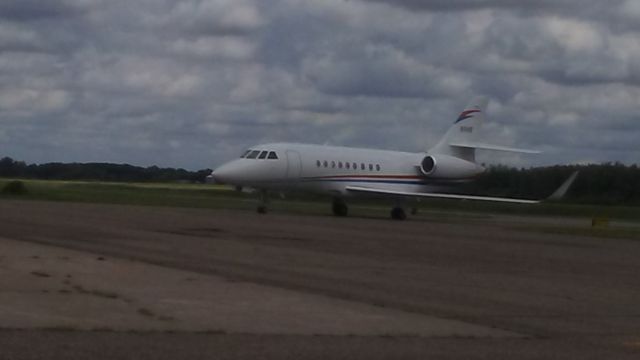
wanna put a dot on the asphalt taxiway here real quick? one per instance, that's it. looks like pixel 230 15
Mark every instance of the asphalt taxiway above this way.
pixel 107 281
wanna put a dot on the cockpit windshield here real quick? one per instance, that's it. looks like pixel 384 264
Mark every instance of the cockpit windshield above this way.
pixel 253 154
pixel 259 154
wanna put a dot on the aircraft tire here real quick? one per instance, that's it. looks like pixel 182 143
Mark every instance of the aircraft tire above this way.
pixel 340 208
pixel 398 213
pixel 261 209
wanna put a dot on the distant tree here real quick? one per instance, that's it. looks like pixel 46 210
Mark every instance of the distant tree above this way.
pixel 11 168
pixel 609 183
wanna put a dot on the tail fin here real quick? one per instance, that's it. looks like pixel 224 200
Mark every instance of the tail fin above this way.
pixel 463 131
pixel 461 138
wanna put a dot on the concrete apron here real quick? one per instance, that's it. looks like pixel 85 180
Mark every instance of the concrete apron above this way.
pixel 43 287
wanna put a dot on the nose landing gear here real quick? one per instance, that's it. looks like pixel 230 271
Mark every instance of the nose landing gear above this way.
pixel 264 200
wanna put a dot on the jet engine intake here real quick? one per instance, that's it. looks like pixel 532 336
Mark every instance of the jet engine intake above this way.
pixel 448 167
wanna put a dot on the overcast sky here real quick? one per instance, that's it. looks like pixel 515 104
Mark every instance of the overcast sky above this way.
pixel 192 83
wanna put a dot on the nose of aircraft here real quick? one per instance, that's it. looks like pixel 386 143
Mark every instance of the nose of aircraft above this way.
pixel 227 173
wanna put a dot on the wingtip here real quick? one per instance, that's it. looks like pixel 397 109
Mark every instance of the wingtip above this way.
pixel 562 190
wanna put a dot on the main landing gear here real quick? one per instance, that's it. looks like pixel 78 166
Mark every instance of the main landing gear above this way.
pixel 397 213
pixel 339 207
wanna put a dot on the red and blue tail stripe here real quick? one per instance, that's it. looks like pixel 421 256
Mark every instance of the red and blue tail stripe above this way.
pixel 466 114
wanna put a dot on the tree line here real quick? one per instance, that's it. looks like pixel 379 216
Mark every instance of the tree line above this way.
pixel 10 168
pixel 605 184
pixel 608 184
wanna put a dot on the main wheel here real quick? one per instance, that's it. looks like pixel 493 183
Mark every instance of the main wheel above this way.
pixel 261 209
pixel 340 208
pixel 398 213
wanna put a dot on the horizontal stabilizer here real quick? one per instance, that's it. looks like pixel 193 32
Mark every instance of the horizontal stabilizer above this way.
pixel 438 195
pixel 493 148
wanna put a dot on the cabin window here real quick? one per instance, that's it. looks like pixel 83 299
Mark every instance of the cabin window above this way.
pixel 272 155
pixel 355 166
pixel 340 164
pixel 362 166
pixel 253 154
pixel 263 155
pixel 377 167
pixel 325 164
pixel 347 165
pixel 333 164
pixel 318 163
pixel 370 167
pixel 245 153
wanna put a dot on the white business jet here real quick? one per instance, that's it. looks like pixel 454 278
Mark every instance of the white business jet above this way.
pixel 345 172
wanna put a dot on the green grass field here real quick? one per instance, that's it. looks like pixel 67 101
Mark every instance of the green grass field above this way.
pixel 217 196
pixel 153 194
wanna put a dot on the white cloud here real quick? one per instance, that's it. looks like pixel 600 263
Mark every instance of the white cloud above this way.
pixel 33 101
pixel 629 9
pixel 13 36
pixel 214 17
pixel 574 35
pixel 225 47
pixel 142 75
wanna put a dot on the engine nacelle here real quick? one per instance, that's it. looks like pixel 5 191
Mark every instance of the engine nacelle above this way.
pixel 448 167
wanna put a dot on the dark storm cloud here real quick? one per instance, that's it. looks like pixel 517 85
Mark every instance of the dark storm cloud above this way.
pixel 459 5
pixel 190 83
pixel 31 10
pixel 380 72
pixel 520 7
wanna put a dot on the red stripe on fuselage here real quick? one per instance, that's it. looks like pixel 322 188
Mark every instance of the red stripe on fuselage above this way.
pixel 367 176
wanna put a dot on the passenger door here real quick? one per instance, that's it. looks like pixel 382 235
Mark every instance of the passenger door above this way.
pixel 294 165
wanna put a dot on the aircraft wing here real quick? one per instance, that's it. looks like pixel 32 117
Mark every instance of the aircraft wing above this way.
pixel 558 194
pixel 359 189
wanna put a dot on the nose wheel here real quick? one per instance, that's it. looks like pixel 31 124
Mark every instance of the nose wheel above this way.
pixel 339 207
pixel 264 200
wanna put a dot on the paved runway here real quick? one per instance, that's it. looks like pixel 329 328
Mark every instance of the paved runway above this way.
pixel 555 296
